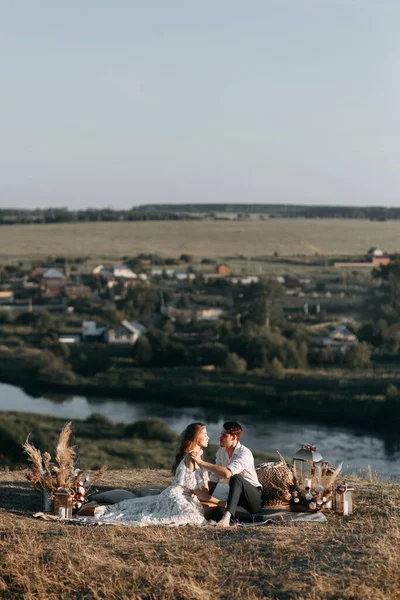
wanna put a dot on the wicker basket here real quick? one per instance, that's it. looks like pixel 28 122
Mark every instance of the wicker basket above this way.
pixel 275 478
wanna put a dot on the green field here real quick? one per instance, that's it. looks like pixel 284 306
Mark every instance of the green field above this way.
pixel 223 239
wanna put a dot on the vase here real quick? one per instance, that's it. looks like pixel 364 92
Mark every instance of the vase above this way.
pixel 47 501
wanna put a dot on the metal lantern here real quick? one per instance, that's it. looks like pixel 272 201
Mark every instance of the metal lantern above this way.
pixel 344 499
pixel 307 461
pixel 47 501
pixel 63 504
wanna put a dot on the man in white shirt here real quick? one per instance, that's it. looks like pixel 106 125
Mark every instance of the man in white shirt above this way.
pixel 235 462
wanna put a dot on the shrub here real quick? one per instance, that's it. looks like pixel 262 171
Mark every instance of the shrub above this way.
pixel 212 353
pixel 143 351
pixel 10 448
pixel 392 393
pixel 276 369
pixel 151 429
pixel 98 419
pixel 359 356
pixel 4 317
pixel 208 261
pixel 235 364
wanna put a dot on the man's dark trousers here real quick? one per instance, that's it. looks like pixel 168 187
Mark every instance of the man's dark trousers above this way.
pixel 243 494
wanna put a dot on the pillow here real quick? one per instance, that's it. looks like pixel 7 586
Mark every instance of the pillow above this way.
pixel 275 478
pixel 151 490
pixel 112 496
pixel 87 510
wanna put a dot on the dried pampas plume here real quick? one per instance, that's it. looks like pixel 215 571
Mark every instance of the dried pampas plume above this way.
pixel 65 455
pixel 99 473
pixel 35 455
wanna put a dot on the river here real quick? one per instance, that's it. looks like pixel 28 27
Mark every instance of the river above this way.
pixel 356 448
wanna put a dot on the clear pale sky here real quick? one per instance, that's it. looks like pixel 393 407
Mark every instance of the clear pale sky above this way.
pixel 124 102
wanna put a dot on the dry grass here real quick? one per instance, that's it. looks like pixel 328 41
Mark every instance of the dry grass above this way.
pixel 203 238
pixel 348 558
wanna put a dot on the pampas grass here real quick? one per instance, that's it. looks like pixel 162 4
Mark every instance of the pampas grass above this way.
pixel 45 475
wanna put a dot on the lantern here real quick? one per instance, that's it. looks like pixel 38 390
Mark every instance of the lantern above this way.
pixel 63 504
pixel 344 499
pixel 306 462
pixel 47 501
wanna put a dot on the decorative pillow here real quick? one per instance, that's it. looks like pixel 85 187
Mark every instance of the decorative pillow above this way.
pixel 87 510
pixel 112 496
pixel 275 478
pixel 151 490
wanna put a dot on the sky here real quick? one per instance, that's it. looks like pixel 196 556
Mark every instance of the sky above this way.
pixel 122 103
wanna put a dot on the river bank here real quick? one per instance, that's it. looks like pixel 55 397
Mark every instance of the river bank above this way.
pixel 362 399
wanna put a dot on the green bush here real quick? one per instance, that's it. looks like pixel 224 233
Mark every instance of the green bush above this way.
pixel 235 364
pixel 151 429
pixel 98 419
pixel 359 356
pixel 276 369
pixel 392 393
pixel 10 449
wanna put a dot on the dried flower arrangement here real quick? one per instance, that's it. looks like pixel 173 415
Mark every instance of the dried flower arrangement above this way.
pixel 314 493
pixel 310 494
pixel 49 477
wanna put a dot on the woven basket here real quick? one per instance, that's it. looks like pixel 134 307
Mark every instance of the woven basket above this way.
pixel 275 478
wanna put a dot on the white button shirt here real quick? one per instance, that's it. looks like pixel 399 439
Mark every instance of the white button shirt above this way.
pixel 240 463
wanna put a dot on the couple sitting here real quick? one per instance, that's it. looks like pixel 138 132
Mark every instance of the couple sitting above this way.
pixel 189 500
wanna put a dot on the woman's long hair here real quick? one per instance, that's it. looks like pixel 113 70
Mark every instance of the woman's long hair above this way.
pixel 187 442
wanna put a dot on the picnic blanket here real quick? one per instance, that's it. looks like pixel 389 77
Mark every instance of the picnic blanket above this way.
pixel 266 516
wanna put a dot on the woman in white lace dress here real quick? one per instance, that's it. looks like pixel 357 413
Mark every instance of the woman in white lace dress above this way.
pixel 179 503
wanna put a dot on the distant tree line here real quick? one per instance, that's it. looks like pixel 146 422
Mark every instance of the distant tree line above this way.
pixel 155 212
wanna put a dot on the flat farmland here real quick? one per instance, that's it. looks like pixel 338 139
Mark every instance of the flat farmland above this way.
pixel 287 237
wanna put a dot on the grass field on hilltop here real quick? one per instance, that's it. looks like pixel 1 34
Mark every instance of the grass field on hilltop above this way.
pixel 347 558
pixel 287 237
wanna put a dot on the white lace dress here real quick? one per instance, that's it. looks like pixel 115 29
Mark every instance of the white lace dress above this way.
pixel 176 505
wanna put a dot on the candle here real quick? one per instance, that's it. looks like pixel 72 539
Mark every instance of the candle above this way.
pixel 307 482
pixel 61 512
pixel 345 507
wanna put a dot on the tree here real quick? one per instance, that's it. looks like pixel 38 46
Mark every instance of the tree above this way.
pixel 261 302
pixel 384 302
pixel 235 364
pixel 276 369
pixel 143 351
pixel 44 321
pixel 359 356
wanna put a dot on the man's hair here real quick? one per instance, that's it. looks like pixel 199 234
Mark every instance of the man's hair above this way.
pixel 233 428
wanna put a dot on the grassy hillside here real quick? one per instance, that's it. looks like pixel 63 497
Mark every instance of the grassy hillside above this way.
pixel 204 238
pixel 349 558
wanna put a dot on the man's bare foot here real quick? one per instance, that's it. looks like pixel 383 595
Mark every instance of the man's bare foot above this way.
pixel 225 521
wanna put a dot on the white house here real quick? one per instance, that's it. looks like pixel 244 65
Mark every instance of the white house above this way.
pixel 53 274
pixel 118 271
pixel 375 253
pixel 91 331
pixel 156 272
pixel 126 332
pixel 6 297
pixel 179 274
pixel 340 338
